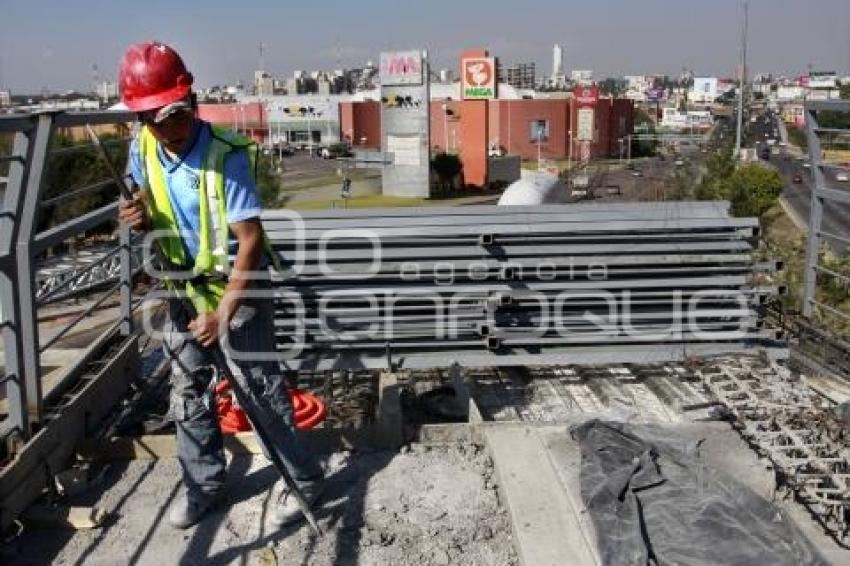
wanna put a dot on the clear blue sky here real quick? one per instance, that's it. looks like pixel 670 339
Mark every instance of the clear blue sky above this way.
pixel 54 43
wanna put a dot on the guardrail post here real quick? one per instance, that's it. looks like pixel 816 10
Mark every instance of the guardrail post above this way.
pixel 12 204
pixel 815 216
pixel 28 323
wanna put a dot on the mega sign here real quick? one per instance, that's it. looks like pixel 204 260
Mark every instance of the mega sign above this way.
pixel 479 77
pixel 586 95
pixel 401 68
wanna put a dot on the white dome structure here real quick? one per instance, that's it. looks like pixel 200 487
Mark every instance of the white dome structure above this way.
pixel 538 188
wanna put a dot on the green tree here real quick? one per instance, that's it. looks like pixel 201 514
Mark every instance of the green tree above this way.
pixel 6 141
pixel 268 181
pixel 645 125
pixel 833 119
pixel 844 91
pixel 447 167
pixel 753 189
pixel 720 166
pixel 612 86
pixel 798 137
pixel 73 166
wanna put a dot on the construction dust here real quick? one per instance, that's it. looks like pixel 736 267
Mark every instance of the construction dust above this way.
pixel 420 506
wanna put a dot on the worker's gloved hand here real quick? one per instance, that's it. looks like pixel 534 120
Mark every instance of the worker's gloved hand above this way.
pixel 133 212
pixel 205 329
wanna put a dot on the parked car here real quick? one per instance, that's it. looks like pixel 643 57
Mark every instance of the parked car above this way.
pixel 283 149
pixel 842 176
pixel 798 178
pixel 335 151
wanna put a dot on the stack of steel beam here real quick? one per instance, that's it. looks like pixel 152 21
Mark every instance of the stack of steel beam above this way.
pixel 486 285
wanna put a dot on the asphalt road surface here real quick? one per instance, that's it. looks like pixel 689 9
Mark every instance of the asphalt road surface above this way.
pixel 836 217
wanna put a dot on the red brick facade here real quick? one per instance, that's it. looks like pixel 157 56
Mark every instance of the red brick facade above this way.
pixel 509 125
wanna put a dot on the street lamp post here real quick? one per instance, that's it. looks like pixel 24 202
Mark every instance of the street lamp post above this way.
pixel 508 102
pixel 742 82
pixel 539 135
pixel 446 127
pixel 309 134
pixel 279 141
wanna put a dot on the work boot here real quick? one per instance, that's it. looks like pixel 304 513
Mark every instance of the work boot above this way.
pixel 189 509
pixel 288 511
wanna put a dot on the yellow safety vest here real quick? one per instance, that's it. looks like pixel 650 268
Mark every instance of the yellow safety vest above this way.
pixel 212 258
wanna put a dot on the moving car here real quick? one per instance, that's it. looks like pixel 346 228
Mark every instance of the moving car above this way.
pixel 798 178
pixel 842 176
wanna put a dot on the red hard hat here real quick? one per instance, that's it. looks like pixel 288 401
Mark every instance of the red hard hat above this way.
pixel 152 75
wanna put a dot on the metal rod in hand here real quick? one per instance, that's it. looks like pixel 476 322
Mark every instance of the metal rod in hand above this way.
pixel 221 360
pixel 122 184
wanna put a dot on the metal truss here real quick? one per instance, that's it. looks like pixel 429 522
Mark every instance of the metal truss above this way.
pixel 795 428
pixel 81 273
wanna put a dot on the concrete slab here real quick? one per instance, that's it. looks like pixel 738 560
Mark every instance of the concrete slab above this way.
pixel 421 507
pixel 546 524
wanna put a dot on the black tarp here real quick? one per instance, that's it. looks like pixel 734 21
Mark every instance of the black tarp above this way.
pixel 652 500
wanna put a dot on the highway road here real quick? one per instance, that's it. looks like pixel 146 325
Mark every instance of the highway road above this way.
pixel 836 219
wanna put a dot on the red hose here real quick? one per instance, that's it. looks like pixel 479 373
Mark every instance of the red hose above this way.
pixel 308 409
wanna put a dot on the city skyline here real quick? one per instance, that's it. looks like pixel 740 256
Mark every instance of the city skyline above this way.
pixel 653 38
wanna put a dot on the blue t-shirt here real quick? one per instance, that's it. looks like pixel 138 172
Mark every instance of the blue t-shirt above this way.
pixel 182 177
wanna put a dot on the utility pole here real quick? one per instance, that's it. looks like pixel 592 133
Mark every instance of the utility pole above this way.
pixel 743 81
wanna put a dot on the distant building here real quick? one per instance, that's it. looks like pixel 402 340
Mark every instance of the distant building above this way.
pixel 263 83
pixel 821 80
pixel 295 85
pixel 558 78
pixel 106 91
pixel 641 88
pixel 789 93
pixel 519 75
pixel 704 91
pixel 582 77
pixel 324 87
pixel 5 98
pixel 512 125
pixel 677 120
pixel 446 76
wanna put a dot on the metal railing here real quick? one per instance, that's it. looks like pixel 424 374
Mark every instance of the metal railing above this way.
pixel 25 241
pixel 825 195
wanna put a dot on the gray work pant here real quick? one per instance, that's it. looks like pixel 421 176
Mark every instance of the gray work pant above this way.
pixel 199 440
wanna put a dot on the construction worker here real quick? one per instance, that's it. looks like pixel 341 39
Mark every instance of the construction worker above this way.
pixel 200 199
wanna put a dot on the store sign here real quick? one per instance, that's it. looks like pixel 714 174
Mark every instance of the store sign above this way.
pixel 401 68
pixel 654 94
pixel 585 124
pixel 479 78
pixel 586 95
